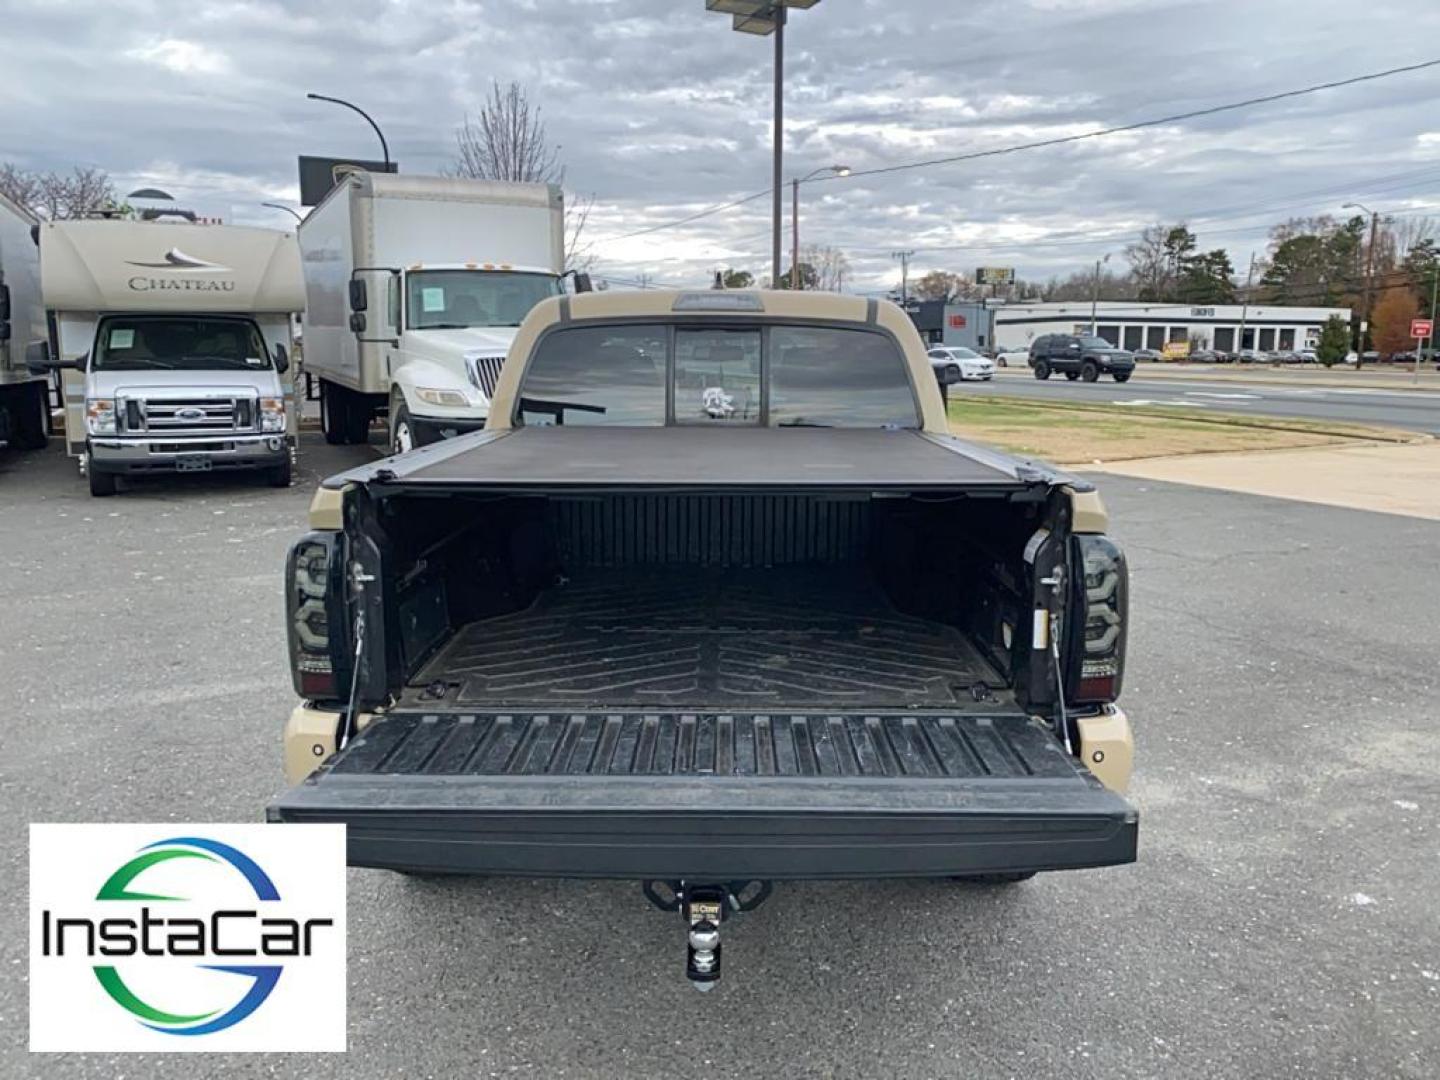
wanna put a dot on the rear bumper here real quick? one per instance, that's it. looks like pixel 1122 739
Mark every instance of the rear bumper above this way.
pixel 413 797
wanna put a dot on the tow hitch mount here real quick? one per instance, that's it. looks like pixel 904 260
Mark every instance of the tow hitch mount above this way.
pixel 704 906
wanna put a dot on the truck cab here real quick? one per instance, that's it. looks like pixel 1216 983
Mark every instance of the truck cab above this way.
pixel 173 342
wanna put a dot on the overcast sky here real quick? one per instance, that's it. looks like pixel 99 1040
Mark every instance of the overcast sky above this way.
pixel 661 111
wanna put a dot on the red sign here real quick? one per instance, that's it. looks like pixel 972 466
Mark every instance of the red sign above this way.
pixel 1421 328
pixel 957 322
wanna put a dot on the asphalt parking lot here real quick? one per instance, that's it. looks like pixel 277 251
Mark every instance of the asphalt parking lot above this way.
pixel 1281 921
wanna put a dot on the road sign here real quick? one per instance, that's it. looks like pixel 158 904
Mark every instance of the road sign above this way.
pixel 1421 328
pixel 1177 350
pixel 957 322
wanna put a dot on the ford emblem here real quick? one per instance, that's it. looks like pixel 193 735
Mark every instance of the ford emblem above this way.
pixel 190 414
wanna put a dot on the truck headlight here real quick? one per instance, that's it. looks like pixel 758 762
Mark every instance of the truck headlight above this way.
pixel 272 414
pixel 452 398
pixel 100 416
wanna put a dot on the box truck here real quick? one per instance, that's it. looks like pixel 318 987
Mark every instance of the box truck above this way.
pixel 173 340
pixel 24 396
pixel 415 286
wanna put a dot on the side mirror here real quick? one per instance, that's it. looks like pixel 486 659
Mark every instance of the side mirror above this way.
pixel 4 305
pixel 282 360
pixel 357 320
pixel 39 361
pixel 583 284
pixel 1075 345
pixel 359 296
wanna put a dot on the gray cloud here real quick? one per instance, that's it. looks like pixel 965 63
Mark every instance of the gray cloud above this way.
pixel 662 111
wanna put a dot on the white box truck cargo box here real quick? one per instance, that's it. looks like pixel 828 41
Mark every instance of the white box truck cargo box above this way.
pixel 415 286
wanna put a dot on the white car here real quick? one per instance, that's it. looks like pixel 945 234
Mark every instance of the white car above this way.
pixel 1013 357
pixel 970 365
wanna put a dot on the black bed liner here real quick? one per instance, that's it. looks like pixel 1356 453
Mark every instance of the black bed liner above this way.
pixel 714 796
pixel 712 638
pixel 555 459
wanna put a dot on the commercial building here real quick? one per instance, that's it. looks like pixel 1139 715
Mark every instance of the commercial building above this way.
pixel 1129 324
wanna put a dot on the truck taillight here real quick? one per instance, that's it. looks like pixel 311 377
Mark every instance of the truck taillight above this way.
pixel 313 594
pixel 1097 664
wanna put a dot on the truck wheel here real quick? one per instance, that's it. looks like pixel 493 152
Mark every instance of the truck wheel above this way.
pixel 101 483
pixel 1089 372
pixel 28 429
pixel 402 430
pixel 994 879
pixel 357 420
pixel 331 414
pixel 1072 375
pixel 279 476
pixel 1042 370
pixel 1125 377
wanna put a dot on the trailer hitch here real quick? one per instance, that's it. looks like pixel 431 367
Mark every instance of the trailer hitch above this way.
pixel 704 906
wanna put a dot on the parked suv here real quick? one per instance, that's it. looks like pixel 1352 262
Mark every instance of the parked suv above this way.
pixel 1080 356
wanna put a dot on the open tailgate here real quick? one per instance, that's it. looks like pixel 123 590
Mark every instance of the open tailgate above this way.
pixel 715 797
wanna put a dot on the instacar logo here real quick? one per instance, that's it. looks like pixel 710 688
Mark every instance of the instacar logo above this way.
pixel 189 943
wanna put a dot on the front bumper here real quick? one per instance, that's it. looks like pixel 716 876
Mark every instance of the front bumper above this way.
pixel 431 429
pixel 976 374
pixel 152 454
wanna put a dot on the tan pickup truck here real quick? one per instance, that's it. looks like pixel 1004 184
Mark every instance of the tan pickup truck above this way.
pixel 716 600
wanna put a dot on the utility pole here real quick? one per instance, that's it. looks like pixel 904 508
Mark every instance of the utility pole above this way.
pixel 777 182
pixel 1245 307
pixel 904 257
pixel 1429 341
pixel 1369 278
pixel 1095 298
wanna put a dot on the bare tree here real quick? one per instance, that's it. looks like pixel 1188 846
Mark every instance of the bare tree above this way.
pixel 830 265
pixel 1149 260
pixel 506 140
pixel 55 195
pixel 1410 232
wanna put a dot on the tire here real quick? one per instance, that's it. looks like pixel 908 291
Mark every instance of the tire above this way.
pixel 102 484
pixel 357 420
pixel 1000 362
pixel 402 429
pixel 1072 375
pixel 1123 377
pixel 994 879
pixel 332 413
pixel 28 427
pixel 1042 370
pixel 1089 371
pixel 279 476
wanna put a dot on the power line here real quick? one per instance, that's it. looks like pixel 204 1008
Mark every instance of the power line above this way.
pixel 1141 124
pixel 1041 143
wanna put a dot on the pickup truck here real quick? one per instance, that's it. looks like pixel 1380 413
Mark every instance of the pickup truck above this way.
pixel 715 600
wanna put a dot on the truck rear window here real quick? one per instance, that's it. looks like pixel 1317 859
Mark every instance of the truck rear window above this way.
pixel 777 376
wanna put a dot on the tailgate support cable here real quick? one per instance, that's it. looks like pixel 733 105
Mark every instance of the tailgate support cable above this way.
pixel 360 580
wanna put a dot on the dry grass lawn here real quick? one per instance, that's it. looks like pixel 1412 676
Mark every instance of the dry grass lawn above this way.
pixel 1084 435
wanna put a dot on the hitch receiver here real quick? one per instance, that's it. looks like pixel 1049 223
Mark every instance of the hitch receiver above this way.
pixel 704 906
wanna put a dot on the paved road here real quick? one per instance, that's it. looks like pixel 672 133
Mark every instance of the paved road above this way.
pixel 1281 922
pixel 1415 410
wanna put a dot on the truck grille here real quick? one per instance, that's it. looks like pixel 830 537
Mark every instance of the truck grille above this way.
pixel 485 371
pixel 186 415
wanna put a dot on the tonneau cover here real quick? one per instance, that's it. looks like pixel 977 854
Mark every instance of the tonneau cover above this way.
pixel 559 458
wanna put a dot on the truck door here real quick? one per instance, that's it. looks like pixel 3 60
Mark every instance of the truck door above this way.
pixel 375 321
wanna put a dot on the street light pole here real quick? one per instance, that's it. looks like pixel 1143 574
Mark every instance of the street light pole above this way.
pixel 1369 277
pixel 778 168
pixel 904 257
pixel 1095 297
pixel 384 146
pixel 287 209
pixel 838 170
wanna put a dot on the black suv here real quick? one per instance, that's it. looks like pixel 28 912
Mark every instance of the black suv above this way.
pixel 1080 356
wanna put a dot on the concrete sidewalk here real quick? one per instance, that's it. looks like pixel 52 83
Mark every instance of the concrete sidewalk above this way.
pixel 1385 479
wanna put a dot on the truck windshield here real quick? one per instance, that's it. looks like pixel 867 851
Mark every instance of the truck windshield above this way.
pixel 456 299
pixel 181 343
pixel 780 376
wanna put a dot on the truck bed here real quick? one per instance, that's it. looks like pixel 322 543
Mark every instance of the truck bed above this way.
pixel 710 639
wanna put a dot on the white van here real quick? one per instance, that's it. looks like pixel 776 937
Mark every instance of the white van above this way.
pixel 174 340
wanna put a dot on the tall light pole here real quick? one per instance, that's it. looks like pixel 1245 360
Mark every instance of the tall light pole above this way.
pixel 384 146
pixel 1245 309
pixel 1095 297
pixel 1369 276
pixel 287 209
pixel 765 17
pixel 837 170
